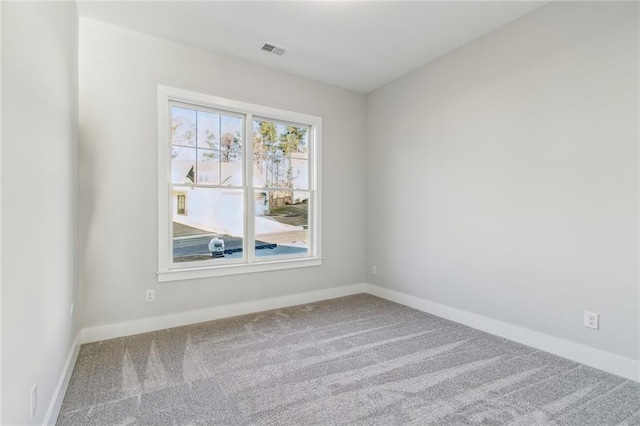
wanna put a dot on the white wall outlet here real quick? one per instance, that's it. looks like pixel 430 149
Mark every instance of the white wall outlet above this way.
pixel 151 296
pixel 374 270
pixel 592 320
pixel 34 399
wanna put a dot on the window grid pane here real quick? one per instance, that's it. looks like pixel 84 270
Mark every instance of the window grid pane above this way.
pixel 206 147
pixel 280 155
pixel 208 224
pixel 183 126
pixel 281 223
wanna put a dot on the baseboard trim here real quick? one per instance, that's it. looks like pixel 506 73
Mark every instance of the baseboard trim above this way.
pixel 611 363
pixel 104 332
pixel 606 361
pixel 61 388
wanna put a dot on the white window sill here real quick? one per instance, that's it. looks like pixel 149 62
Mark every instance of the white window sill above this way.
pixel 218 271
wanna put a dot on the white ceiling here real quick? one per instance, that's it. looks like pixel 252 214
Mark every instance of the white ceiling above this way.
pixel 358 45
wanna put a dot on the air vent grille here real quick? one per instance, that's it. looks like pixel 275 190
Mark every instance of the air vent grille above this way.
pixel 272 48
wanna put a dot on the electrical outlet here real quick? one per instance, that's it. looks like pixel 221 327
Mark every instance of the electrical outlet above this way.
pixel 34 399
pixel 592 320
pixel 374 270
pixel 151 296
pixel 71 310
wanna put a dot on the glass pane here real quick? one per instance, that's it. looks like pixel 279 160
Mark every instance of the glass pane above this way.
pixel 231 131
pixel 272 171
pixel 271 136
pixel 208 167
pixel 259 171
pixel 300 173
pixel 183 165
pixel 265 137
pixel 281 223
pixel 208 130
pixel 207 224
pixel 231 169
pixel 300 137
pixel 281 155
pixel 231 157
pixel 183 126
pixel 231 148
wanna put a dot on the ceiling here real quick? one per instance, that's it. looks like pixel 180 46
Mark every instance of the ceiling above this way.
pixel 358 45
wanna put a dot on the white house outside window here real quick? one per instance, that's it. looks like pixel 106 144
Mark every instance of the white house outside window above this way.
pixel 250 176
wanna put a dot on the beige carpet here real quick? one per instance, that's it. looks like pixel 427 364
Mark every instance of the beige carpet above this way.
pixel 358 360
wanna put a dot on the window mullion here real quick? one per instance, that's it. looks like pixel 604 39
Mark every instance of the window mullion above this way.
pixel 250 238
pixel 196 178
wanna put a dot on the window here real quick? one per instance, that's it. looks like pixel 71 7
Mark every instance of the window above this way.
pixel 182 204
pixel 238 187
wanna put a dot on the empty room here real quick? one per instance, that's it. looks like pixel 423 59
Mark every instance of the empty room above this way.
pixel 320 212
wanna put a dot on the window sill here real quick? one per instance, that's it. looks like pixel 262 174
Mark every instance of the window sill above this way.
pixel 223 270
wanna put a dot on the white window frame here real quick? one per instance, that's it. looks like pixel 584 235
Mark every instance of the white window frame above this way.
pixel 169 271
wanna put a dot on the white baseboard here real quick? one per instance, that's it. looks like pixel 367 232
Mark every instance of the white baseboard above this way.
pixel 94 334
pixel 611 363
pixel 61 388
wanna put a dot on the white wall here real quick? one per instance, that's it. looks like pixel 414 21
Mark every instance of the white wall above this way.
pixel 119 73
pixel 502 178
pixel 39 142
pixel 0 212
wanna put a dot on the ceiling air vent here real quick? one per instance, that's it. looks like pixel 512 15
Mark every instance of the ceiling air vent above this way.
pixel 272 48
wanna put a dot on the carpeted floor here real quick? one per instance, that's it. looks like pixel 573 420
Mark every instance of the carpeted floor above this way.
pixel 357 360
